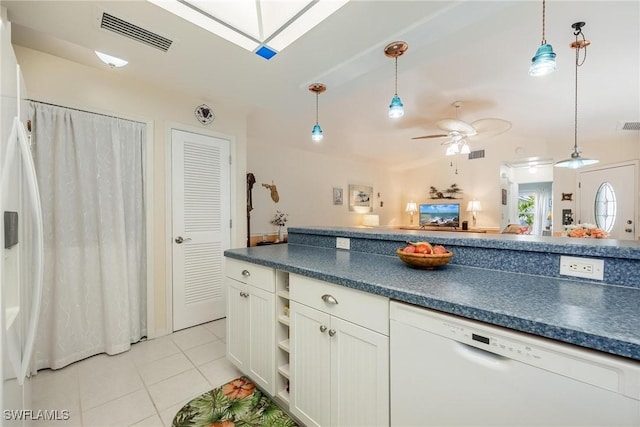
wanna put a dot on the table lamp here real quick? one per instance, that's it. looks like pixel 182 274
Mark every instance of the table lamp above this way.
pixel 411 209
pixel 474 207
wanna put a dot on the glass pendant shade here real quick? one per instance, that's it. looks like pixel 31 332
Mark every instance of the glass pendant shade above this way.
pixel 465 149
pixel 396 109
pixel 544 62
pixel 316 133
pixel 576 161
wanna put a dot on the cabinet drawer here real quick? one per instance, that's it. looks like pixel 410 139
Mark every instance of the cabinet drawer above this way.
pixel 253 274
pixel 361 308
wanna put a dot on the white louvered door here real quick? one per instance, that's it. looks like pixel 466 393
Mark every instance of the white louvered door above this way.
pixel 201 226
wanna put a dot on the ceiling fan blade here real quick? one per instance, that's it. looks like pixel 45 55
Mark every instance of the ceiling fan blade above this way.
pixel 430 136
pixel 491 127
pixel 456 125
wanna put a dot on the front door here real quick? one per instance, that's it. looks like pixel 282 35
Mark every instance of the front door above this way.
pixel 607 198
pixel 201 226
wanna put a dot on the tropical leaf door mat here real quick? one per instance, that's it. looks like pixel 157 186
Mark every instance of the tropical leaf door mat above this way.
pixel 236 403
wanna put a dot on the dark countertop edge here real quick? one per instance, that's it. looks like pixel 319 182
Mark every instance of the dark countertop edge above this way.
pixel 538 328
pixel 609 248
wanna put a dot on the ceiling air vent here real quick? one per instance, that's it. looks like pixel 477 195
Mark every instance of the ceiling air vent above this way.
pixel 477 154
pixel 127 29
pixel 631 126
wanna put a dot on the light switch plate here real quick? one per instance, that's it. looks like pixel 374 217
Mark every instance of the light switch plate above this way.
pixel 589 268
pixel 343 243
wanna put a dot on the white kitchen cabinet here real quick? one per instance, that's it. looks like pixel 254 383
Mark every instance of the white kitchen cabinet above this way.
pixel 339 369
pixel 251 342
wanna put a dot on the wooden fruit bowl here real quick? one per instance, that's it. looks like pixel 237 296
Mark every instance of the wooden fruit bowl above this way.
pixel 424 261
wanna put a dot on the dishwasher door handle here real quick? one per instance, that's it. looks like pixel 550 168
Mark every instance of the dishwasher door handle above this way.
pixel 482 357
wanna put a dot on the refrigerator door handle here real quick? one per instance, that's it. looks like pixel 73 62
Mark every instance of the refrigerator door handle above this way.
pixel 19 137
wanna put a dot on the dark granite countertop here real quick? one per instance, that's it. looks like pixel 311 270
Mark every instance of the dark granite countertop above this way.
pixel 592 315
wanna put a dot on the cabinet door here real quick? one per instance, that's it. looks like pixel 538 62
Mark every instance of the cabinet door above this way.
pixel 262 338
pixel 238 323
pixel 359 375
pixel 309 363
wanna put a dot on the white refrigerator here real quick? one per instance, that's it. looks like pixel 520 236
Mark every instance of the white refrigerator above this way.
pixel 21 240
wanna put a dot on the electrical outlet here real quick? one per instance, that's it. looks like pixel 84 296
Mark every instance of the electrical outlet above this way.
pixel 588 268
pixel 343 243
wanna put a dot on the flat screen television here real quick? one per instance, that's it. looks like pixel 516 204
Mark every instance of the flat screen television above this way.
pixel 439 214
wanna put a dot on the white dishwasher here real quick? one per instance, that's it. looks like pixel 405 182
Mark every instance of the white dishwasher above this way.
pixel 450 371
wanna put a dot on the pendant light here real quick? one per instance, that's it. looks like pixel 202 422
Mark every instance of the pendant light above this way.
pixel 316 133
pixel 577 161
pixel 394 50
pixel 544 62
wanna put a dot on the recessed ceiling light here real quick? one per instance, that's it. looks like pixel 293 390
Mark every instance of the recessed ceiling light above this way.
pixel 111 61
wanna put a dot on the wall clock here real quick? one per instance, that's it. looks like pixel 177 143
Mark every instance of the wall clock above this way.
pixel 204 114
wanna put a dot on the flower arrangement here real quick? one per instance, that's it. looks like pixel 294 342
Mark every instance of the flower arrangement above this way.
pixel 589 231
pixel 280 219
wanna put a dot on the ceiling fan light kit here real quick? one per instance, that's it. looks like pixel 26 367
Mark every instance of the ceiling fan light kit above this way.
pixel 576 160
pixel 316 132
pixel 458 131
pixel 544 61
pixel 394 50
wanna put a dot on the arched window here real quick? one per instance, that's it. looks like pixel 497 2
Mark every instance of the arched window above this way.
pixel 605 207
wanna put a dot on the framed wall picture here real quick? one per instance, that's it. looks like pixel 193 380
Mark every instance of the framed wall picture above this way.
pixel 337 196
pixel 360 198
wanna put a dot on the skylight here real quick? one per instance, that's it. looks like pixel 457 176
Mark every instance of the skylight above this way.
pixel 261 26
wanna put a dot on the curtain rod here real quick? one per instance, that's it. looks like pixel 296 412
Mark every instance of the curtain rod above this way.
pixel 84 111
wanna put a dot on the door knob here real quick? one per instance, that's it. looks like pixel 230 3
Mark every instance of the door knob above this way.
pixel 323 329
pixel 179 239
pixel 332 332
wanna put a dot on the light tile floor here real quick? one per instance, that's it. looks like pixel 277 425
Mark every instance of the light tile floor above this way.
pixel 145 386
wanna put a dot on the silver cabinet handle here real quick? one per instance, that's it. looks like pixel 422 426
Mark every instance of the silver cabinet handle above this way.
pixel 244 294
pixel 332 332
pixel 323 329
pixel 179 239
pixel 329 299
pixel 246 273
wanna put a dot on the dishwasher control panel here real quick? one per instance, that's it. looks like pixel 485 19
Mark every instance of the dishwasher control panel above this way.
pixel 492 342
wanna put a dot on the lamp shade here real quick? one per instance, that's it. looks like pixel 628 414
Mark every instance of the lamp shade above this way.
pixel 396 109
pixel 316 133
pixel 412 208
pixel 474 206
pixel 371 220
pixel 544 61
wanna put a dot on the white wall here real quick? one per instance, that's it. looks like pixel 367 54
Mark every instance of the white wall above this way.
pixel 104 90
pixel 305 182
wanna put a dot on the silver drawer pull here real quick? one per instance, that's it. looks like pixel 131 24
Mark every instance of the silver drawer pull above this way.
pixel 246 273
pixel 323 329
pixel 332 332
pixel 329 299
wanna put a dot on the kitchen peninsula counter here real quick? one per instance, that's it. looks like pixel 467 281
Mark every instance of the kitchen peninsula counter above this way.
pixel 595 315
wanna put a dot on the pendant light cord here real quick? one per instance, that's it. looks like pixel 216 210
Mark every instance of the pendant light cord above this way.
pixel 396 82
pixel 578 32
pixel 317 107
pixel 544 40
pixel 575 126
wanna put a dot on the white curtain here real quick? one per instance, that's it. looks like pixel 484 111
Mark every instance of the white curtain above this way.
pixel 90 173
pixel 541 211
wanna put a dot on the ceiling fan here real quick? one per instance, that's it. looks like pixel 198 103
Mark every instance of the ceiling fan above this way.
pixel 458 131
